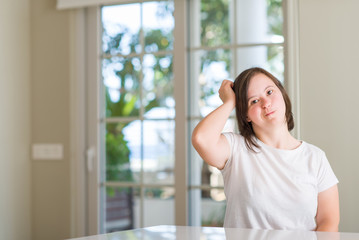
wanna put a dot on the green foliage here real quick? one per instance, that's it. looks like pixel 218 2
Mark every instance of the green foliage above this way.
pixel 275 22
pixel 275 17
pixel 117 154
pixel 128 103
pixel 158 40
pixel 153 193
pixel 113 191
pixel 214 23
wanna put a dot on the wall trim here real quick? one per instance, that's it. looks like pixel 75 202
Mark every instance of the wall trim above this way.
pixel 77 127
pixel 292 76
pixel 180 95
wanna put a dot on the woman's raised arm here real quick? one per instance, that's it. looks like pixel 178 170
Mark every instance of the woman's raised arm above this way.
pixel 207 139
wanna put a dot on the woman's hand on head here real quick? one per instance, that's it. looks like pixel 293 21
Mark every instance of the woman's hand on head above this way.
pixel 226 93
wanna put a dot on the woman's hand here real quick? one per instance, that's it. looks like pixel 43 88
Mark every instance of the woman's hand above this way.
pixel 226 93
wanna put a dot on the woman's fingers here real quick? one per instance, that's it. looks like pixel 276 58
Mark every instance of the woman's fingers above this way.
pixel 226 82
pixel 226 92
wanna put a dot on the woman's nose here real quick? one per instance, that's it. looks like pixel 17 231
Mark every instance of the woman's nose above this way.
pixel 266 103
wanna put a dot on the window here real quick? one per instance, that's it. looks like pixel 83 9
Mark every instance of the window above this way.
pixel 137 109
pixel 226 37
pixel 137 60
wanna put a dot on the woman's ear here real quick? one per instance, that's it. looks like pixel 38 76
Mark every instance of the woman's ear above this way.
pixel 248 120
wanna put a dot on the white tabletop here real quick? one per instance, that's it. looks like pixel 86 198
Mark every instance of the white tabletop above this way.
pixel 215 233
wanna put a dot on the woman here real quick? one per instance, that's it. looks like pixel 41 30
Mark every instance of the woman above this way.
pixel 271 179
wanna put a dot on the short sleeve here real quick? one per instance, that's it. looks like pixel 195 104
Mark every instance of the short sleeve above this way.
pixel 326 177
pixel 231 140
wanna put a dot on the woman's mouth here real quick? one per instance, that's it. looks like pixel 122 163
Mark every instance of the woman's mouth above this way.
pixel 269 113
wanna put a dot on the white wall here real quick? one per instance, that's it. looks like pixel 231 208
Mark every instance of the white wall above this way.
pixel 15 223
pixel 329 60
pixel 50 119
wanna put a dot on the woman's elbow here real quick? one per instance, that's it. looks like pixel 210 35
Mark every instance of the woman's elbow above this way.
pixel 328 226
pixel 196 140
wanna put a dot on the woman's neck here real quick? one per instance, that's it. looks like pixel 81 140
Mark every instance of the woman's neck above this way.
pixel 278 138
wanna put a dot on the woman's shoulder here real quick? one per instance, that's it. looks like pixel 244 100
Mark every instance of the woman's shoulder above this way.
pixel 313 152
pixel 234 139
pixel 312 148
pixel 232 135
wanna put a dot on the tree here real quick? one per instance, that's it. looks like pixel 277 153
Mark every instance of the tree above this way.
pixel 128 71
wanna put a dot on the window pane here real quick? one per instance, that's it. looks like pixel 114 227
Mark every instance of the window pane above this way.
pixel 121 206
pixel 158 162
pixel 207 207
pixel 159 207
pixel 121 29
pixel 123 151
pixel 208 70
pixel 158 86
pixel 213 206
pixel 276 61
pixel 259 21
pixel 270 58
pixel 216 22
pixel 158 23
pixel 209 22
pixel 121 80
pixel 275 18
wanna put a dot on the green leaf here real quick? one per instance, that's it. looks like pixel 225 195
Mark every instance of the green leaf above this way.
pixel 129 106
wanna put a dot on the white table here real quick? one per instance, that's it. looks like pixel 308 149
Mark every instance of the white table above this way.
pixel 215 233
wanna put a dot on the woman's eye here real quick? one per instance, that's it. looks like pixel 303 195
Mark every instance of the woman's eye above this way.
pixel 270 92
pixel 254 101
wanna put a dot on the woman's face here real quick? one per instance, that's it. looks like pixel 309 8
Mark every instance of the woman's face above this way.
pixel 266 106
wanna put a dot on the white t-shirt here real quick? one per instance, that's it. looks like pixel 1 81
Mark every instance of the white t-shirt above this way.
pixel 274 188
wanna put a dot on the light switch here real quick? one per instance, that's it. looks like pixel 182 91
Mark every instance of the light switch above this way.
pixel 47 151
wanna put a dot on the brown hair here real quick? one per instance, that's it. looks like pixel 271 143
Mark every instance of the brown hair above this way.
pixel 240 88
